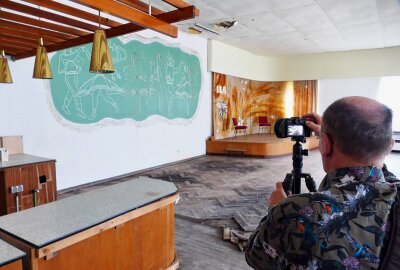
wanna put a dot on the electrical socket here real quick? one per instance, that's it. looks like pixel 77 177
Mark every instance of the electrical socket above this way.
pixel 17 189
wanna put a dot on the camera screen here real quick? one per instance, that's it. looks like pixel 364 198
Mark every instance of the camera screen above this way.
pixel 295 130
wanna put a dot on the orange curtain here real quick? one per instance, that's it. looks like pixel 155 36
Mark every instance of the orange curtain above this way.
pixel 305 97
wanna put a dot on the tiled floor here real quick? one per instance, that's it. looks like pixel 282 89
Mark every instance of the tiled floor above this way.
pixel 218 191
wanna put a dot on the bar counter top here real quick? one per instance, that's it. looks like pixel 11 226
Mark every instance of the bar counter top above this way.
pixel 16 160
pixel 54 221
pixel 9 253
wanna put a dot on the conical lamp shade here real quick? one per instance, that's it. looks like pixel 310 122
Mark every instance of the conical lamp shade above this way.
pixel 5 75
pixel 42 68
pixel 101 61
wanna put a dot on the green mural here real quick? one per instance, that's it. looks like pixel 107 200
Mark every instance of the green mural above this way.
pixel 149 79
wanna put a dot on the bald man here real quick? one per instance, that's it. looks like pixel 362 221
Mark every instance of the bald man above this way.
pixel 343 225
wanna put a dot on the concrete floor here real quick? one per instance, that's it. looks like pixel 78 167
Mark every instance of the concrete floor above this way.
pixel 207 183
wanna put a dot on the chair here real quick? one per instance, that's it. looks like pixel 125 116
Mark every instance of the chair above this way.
pixel 263 123
pixel 239 127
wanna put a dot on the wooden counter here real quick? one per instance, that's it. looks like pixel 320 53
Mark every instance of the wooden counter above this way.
pixel 124 226
pixel 33 173
pixel 10 257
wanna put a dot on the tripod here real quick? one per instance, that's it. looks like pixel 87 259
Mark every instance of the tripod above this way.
pixel 292 180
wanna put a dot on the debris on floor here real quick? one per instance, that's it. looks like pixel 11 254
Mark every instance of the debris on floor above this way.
pixel 237 237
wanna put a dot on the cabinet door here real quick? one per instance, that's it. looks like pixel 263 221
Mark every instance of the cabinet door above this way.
pixel 30 181
pixel 47 183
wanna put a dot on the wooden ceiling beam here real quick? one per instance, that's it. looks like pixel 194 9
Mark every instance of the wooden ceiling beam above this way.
pixel 137 17
pixel 74 12
pixel 16 45
pixel 28 35
pixel 47 15
pixel 43 32
pixel 42 24
pixel 169 17
pixel 12 42
pixel 21 40
pixel 11 49
pixel 139 5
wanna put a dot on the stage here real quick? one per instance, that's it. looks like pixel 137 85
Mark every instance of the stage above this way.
pixel 256 145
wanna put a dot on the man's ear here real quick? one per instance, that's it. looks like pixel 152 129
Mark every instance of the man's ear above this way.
pixel 327 146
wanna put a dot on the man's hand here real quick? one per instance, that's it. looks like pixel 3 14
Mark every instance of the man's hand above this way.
pixel 277 195
pixel 314 122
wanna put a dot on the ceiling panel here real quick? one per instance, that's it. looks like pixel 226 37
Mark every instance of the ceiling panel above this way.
pixel 345 12
pixel 388 9
pixel 391 32
pixel 323 34
pixel 305 17
pixel 293 39
pixel 279 4
pixel 237 8
pixel 267 22
pixel 363 35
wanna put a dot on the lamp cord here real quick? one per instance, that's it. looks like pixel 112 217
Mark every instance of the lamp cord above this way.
pixel 150 7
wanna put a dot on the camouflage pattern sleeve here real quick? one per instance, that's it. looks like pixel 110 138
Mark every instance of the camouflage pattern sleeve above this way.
pixel 286 235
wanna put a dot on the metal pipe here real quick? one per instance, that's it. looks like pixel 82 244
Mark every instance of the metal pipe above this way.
pixel 17 202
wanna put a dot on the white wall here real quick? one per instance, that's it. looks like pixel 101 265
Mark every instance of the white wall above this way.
pixel 229 60
pixel 89 154
pixel 233 61
pixel 383 89
pixel 331 90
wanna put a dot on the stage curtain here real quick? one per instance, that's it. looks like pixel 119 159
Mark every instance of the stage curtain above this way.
pixel 305 97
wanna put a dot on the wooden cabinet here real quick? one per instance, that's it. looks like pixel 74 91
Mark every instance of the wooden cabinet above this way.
pixel 37 177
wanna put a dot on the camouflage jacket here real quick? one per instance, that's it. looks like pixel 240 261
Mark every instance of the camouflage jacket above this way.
pixel 342 226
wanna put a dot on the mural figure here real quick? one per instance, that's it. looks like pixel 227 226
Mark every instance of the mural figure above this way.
pixel 102 86
pixel 182 90
pixel 98 86
pixel 118 55
pixel 155 79
pixel 70 64
pixel 135 66
pixel 170 72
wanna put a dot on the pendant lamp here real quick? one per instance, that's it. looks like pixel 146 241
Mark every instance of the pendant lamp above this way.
pixel 42 68
pixel 5 75
pixel 101 61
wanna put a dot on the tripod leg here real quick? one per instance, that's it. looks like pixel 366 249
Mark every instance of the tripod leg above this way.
pixel 310 183
pixel 288 183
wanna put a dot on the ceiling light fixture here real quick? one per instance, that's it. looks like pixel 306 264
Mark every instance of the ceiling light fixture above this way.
pixel 5 75
pixel 101 61
pixel 42 69
pixel 207 29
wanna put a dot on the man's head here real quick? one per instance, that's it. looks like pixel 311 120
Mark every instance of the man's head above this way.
pixel 355 131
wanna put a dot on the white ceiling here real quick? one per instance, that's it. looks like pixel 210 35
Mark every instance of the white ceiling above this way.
pixel 288 27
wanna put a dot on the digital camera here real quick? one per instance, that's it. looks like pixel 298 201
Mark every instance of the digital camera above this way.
pixel 291 127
